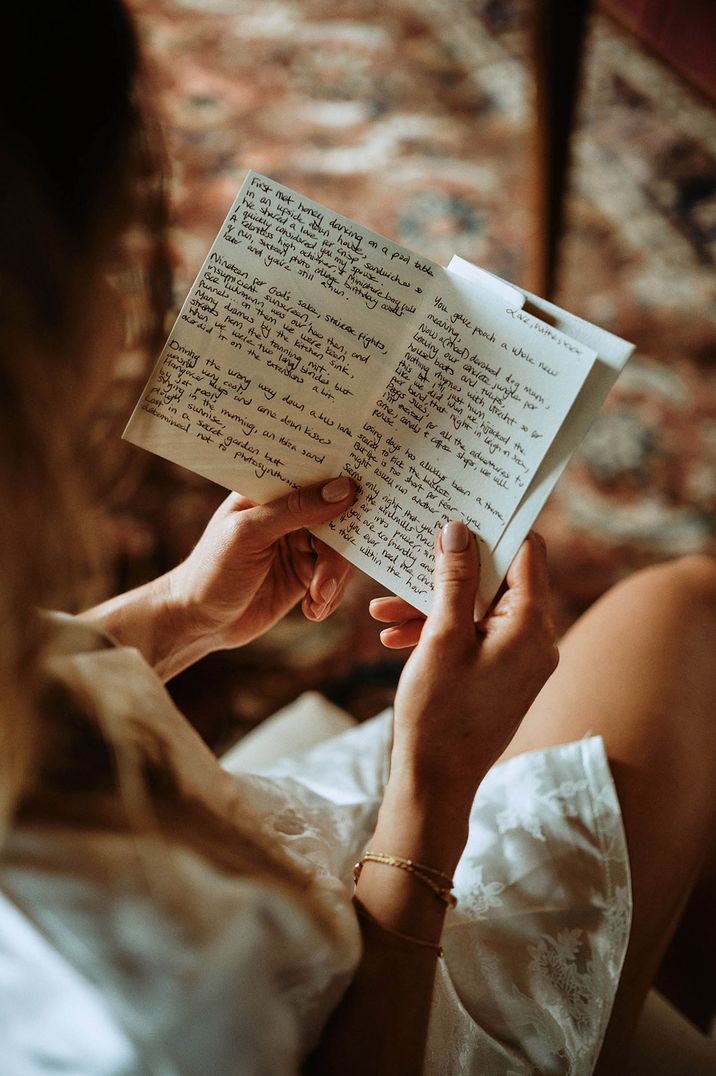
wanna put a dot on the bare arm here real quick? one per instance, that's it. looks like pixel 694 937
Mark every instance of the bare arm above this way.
pixel 460 700
pixel 381 1024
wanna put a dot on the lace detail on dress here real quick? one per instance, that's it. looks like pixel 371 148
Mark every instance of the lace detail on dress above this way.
pixel 535 800
pixel 535 946
pixel 617 918
pixel 566 990
pixel 482 895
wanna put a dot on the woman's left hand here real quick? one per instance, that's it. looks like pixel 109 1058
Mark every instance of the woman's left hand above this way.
pixel 254 562
pixel 250 566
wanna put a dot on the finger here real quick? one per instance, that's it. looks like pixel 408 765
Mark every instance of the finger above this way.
pixel 322 610
pixel 325 552
pixel 401 636
pixel 525 605
pixel 302 542
pixel 391 608
pixel 236 502
pixel 330 575
pixel 304 507
pixel 527 577
pixel 309 610
pixel 457 575
pixel 303 565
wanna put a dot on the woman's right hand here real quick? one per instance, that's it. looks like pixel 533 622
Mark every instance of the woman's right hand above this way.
pixel 462 694
pixel 467 686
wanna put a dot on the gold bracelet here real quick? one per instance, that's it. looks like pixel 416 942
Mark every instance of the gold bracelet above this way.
pixel 363 913
pixel 422 873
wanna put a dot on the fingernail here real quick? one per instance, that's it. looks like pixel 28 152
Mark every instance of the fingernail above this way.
pixel 319 611
pixel 454 537
pixel 328 590
pixel 336 490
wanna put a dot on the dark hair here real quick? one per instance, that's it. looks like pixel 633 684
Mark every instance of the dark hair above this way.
pixel 81 170
pixel 77 159
pixel 67 120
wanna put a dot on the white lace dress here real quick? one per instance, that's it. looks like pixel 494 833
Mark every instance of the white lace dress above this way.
pixel 99 975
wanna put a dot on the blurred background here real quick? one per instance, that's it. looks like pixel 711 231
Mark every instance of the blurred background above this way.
pixel 421 119
pixel 417 118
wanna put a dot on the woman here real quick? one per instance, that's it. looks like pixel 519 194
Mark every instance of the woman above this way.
pixel 157 915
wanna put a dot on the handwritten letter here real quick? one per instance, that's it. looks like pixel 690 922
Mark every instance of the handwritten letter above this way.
pixel 286 336
pixel 309 346
pixel 472 406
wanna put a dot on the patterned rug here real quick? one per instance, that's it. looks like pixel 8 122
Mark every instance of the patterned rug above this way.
pixel 413 117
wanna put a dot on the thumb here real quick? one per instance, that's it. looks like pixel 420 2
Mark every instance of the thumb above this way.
pixel 457 575
pixel 304 507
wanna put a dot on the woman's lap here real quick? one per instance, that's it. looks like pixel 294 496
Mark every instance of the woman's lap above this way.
pixel 534 949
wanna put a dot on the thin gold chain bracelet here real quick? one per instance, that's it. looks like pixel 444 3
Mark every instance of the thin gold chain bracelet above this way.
pixel 426 875
pixel 363 913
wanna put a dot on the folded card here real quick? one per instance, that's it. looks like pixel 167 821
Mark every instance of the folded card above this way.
pixel 309 346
